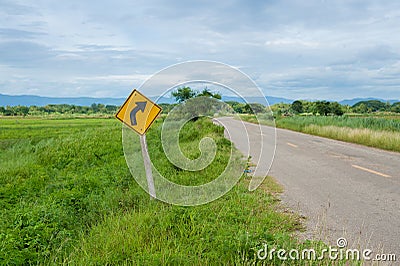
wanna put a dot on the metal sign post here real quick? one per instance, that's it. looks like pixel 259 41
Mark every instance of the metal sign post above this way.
pixel 138 112
pixel 147 167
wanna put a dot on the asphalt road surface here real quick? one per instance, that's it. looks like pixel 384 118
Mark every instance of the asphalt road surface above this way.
pixel 344 190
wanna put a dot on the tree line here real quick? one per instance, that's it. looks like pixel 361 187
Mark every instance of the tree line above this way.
pixel 334 108
pixel 20 110
pixel 323 108
pixel 186 93
pixel 182 94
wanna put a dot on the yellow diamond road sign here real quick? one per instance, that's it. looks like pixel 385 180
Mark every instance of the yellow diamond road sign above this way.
pixel 138 112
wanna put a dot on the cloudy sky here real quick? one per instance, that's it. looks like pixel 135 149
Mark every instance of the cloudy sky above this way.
pixel 312 49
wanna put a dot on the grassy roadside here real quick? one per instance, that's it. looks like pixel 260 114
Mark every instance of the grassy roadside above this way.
pixel 67 197
pixel 378 132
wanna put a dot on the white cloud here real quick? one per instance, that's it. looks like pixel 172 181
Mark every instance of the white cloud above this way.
pixel 123 79
pixel 310 49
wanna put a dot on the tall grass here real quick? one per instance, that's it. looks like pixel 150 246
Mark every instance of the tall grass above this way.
pixel 375 132
pixel 372 123
pixel 378 132
pixel 387 140
pixel 225 232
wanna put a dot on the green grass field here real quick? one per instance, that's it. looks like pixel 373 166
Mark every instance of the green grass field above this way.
pixel 380 131
pixel 67 197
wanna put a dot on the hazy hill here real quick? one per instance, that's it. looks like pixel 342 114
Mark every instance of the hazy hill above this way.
pixel 29 100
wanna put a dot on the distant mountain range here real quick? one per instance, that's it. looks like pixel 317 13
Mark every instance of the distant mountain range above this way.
pixel 28 100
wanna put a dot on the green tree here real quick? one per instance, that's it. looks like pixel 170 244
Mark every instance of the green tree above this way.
pixel 48 108
pixel 395 107
pixel 111 109
pixel 183 94
pixel 9 111
pixel 336 109
pixel 347 108
pixel 281 109
pixel 372 105
pixel 196 107
pixel 254 108
pixel 322 108
pixel 23 110
pixel 360 108
pixel 34 110
pixel 388 106
pixel 217 96
pixel 101 108
pixel 237 107
pixel 297 107
pixel 307 106
pixel 17 110
pixel 94 107
pixel 207 93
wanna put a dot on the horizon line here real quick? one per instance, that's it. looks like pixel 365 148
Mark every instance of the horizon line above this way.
pixel 283 97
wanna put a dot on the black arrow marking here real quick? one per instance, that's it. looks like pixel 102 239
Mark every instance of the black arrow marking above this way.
pixel 140 106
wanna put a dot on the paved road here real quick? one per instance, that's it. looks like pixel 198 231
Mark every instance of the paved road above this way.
pixel 344 190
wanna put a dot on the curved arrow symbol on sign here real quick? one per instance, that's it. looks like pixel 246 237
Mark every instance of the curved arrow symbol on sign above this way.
pixel 140 106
